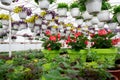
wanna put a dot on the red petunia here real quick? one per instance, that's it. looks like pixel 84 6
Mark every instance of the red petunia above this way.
pixel 48 32
pixel 102 32
pixel 49 49
pixel 58 36
pixel 52 38
pixel 115 41
pixel 77 34
pixel 86 42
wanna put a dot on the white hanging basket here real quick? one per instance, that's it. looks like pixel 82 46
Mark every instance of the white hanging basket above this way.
pixel 44 4
pixel 22 26
pixel 88 23
pixel 86 15
pixel 101 24
pixel 30 25
pixel 118 17
pixel 6 2
pixel 104 15
pixel 23 15
pixel 15 26
pixel 48 17
pixel 113 25
pixel 5 27
pixel 61 19
pixel 14 32
pixel 79 21
pixel 1 31
pixel 36 29
pixel 62 11
pixel 38 21
pixel 94 20
pixel 5 22
pixel 93 6
pixel 75 12
pixel 44 27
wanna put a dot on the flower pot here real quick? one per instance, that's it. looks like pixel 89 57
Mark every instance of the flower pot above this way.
pixel 116 73
pixel 6 2
pixel 86 15
pixel 22 26
pixel 14 32
pixel 94 20
pixel 15 26
pixel 36 29
pixel 106 54
pixel 118 17
pixel 113 25
pixel 88 23
pixel 104 16
pixel 22 15
pixel 44 4
pixel 77 55
pixel 38 21
pixel 48 17
pixel 79 21
pixel 61 19
pixel 5 22
pixel 5 27
pixel 44 27
pixel 50 54
pixel 62 12
pixel 75 12
pixel 93 6
pixel 30 25
pixel 101 24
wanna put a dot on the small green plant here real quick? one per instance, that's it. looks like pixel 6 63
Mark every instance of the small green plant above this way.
pixel 74 5
pixel 62 5
pixel 116 9
pixel 106 5
pixel 51 1
pixel 31 19
pixel 0 25
pixel 80 17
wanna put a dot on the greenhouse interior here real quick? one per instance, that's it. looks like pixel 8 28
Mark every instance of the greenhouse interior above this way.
pixel 59 39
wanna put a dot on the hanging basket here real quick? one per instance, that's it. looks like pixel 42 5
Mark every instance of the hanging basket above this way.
pixel 22 26
pixel 44 4
pixel 113 25
pixel 88 23
pixel 104 16
pixel 94 20
pixel 86 15
pixel 118 17
pixel 101 24
pixel 5 22
pixel 6 2
pixel 38 21
pixel 48 16
pixel 93 6
pixel 79 21
pixel 75 12
pixel 30 25
pixel 62 12
pixel 22 15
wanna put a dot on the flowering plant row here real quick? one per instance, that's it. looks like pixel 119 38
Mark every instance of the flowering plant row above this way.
pixel 77 40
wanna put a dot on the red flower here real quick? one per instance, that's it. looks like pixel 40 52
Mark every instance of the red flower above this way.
pixel 91 35
pixel 77 34
pixel 102 32
pixel 115 41
pixel 52 38
pixel 49 49
pixel 86 42
pixel 58 36
pixel 48 32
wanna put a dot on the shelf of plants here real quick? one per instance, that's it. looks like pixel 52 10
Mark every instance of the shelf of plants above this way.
pixel 81 50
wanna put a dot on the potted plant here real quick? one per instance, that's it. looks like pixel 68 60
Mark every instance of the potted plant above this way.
pixel 15 25
pixel 23 11
pixel 30 21
pixel 22 25
pixel 75 12
pixel 103 46
pixel 38 19
pixel 62 9
pixel 79 20
pixel 44 4
pixel 8 2
pixel 117 12
pixel 4 19
pixel 104 15
pixel 77 42
pixel 51 45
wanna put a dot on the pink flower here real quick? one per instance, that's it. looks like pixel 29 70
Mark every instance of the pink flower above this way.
pixel 48 32
pixel 102 32
pixel 52 38
pixel 77 34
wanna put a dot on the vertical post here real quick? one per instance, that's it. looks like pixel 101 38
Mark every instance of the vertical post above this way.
pixel 10 41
